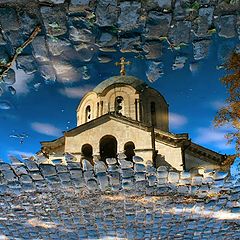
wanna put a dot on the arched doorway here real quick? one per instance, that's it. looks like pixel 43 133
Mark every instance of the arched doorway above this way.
pixel 129 150
pixel 108 147
pixel 87 152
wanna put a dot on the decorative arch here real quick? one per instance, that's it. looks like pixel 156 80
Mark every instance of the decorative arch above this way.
pixel 129 150
pixel 108 147
pixel 89 99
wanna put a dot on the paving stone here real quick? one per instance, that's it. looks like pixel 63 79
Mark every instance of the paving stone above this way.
pixel 27 64
pixel 124 164
pixel 207 12
pixel 129 18
pixel 157 25
pixel 57 46
pixel 54 19
pixel 107 40
pixel 153 50
pixel 131 44
pixel 173 177
pixel 40 51
pixel 227 25
pixel 28 22
pixel 106 13
pixel 87 166
pixel 137 159
pixel 139 167
pixel 76 5
pixel 200 49
pixel 155 70
pixel 78 35
pixel 180 32
pixel 9 19
pixel 111 161
pixel 48 169
pixel 48 73
pixel 103 181
pixel 100 167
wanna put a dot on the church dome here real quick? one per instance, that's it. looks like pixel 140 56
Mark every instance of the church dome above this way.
pixel 119 80
pixel 125 96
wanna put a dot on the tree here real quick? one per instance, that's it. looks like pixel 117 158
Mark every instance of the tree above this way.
pixel 230 113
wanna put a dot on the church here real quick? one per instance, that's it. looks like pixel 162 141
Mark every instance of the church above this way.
pixel 124 115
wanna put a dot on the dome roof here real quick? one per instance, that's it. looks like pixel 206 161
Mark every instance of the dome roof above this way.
pixel 128 80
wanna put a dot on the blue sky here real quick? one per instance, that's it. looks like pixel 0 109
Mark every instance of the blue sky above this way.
pixel 42 111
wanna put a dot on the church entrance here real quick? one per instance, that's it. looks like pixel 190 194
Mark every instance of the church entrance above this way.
pixel 108 147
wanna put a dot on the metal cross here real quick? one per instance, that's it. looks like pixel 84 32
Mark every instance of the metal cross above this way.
pixel 122 63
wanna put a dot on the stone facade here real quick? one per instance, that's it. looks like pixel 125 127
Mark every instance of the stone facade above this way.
pixel 124 115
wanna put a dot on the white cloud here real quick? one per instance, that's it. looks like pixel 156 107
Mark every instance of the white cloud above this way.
pixel 214 136
pixel 66 73
pixel 16 152
pixel 46 128
pixel 22 81
pixel 217 104
pixel 194 67
pixel 176 120
pixel 76 92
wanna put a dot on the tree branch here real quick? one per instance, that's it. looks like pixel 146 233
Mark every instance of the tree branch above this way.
pixel 18 51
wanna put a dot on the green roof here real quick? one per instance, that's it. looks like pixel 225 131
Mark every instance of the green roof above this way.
pixel 129 80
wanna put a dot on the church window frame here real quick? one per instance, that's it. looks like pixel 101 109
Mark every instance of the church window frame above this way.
pixel 119 105
pixel 88 113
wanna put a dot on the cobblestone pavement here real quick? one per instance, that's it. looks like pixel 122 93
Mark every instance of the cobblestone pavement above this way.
pixel 89 31
pixel 120 200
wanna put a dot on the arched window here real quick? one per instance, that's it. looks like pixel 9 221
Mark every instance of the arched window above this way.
pixel 87 152
pixel 119 105
pixel 129 150
pixel 88 114
pixel 153 113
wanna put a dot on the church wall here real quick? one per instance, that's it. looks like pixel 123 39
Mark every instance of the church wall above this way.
pixel 122 132
pixel 129 95
pixel 192 161
pixel 161 106
pixel 108 103
pixel 172 155
pixel 89 100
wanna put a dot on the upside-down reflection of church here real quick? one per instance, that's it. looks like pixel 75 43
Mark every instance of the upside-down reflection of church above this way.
pixel 124 115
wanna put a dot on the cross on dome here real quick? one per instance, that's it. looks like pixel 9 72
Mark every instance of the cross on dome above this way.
pixel 122 63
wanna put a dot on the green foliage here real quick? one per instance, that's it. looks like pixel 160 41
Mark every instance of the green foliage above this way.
pixel 212 30
pixel 163 38
pixel 192 6
pixel 195 6
pixel 113 29
pixel 54 25
pixel 53 38
pixel 19 50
